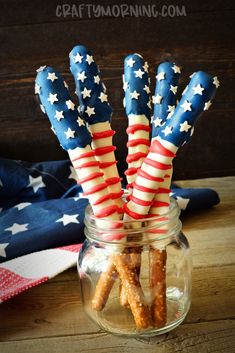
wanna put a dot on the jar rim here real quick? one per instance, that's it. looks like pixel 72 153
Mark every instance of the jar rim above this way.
pixel 112 231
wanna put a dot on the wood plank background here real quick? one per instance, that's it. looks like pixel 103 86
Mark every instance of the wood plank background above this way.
pixel 31 35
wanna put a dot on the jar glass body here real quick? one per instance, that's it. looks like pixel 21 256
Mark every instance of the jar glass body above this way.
pixel 146 238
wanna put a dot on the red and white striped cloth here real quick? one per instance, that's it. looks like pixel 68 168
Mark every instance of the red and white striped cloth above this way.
pixel 24 272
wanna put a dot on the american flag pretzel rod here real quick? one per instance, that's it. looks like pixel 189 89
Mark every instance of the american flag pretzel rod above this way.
pixel 75 138
pixel 96 111
pixel 137 104
pixel 164 100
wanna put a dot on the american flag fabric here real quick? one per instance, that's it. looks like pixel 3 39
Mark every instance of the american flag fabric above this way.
pixel 41 221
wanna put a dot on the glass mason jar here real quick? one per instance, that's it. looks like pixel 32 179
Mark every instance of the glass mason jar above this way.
pixel 135 276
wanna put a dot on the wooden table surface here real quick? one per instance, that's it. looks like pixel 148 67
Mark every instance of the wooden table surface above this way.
pixel 50 318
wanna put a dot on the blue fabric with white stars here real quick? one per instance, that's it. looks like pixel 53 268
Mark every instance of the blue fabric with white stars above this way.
pixel 166 87
pixel 178 128
pixel 41 206
pixel 62 112
pixel 136 86
pixel 91 92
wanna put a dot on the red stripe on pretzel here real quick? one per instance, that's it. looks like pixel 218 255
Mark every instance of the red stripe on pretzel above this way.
pixel 135 156
pixel 106 211
pixel 90 177
pixel 145 175
pixel 135 142
pixel 144 188
pixel 100 151
pixel 95 189
pixel 157 147
pixel 136 127
pixel 157 165
pixel 102 134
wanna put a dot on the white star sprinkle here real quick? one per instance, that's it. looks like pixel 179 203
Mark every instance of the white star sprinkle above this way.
pixel 167 131
pixel 90 111
pixel 157 99
pixel 176 69
pixel 182 203
pixel 185 126
pixel 22 205
pixel 146 89
pixel 17 228
pixel 41 68
pixel 86 93
pixel 67 219
pixel 160 76
pixel 134 95
pixel 186 106
pixel 80 121
pixel 51 76
pixel 171 108
pixel 198 89
pixel 2 249
pixel 59 115
pixel 69 133
pixel 207 105
pixel 79 109
pixel 81 76
pixel 73 174
pixel 65 85
pixel 52 98
pixel 36 89
pixel 89 59
pixel 78 58
pixel 70 104
pixel 157 122
pixel 103 97
pixel 173 89
pixel 130 62
pixel 146 66
pixel 216 81
pixel 139 73
pixel 36 183
pixel 97 79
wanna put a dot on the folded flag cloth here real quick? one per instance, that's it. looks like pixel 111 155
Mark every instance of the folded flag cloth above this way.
pixel 41 220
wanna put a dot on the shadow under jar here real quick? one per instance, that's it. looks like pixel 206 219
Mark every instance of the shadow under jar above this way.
pixel 135 276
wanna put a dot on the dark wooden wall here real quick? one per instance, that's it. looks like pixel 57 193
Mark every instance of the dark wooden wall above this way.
pixel 31 35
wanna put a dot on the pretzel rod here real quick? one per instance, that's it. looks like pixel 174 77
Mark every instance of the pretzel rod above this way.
pixel 164 101
pixel 137 103
pixel 134 292
pixel 96 111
